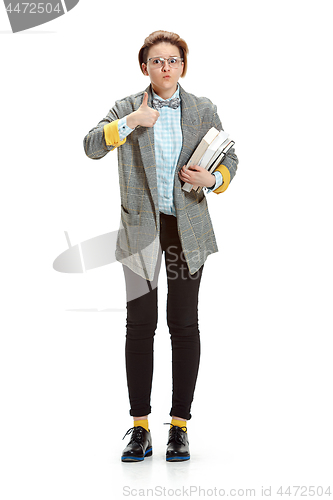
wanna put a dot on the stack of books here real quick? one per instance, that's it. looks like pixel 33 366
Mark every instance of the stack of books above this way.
pixel 209 153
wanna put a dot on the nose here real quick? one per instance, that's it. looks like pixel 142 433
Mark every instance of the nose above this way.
pixel 165 66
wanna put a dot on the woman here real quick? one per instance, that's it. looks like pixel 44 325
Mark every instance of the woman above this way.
pixel 155 133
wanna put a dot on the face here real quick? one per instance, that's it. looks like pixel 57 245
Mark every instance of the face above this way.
pixel 164 80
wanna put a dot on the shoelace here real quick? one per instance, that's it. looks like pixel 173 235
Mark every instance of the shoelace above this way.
pixel 176 434
pixel 136 434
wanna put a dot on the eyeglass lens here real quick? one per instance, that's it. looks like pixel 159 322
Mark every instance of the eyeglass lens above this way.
pixel 158 62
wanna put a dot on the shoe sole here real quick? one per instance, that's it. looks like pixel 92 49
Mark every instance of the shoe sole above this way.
pixel 177 459
pixel 148 453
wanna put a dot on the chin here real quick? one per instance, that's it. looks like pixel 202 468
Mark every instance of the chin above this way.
pixel 169 83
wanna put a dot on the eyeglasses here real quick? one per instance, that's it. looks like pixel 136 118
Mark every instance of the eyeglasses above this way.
pixel 158 62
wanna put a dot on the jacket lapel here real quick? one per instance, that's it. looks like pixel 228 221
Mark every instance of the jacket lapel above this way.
pixel 190 128
pixel 147 150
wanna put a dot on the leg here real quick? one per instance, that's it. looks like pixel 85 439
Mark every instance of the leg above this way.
pixel 140 331
pixel 182 318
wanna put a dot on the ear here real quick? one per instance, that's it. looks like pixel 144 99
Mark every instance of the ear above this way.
pixel 181 74
pixel 144 69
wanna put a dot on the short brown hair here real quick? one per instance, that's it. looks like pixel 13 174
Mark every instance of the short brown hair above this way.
pixel 163 36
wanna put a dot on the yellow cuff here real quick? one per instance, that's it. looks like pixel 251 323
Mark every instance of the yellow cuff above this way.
pixel 111 134
pixel 226 178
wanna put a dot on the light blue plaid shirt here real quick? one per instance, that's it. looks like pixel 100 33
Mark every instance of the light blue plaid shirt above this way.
pixel 168 140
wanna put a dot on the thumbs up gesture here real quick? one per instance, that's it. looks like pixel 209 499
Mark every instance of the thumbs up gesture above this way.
pixel 144 116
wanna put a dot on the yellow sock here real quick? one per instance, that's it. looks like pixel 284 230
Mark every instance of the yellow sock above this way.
pixel 179 423
pixel 142 423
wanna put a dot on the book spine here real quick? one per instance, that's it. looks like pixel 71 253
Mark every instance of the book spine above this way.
pixel 187 187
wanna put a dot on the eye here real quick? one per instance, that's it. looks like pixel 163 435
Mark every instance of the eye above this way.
pixel 156 60
pixel 173 60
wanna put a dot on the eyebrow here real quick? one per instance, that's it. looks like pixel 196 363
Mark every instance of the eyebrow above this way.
pixel 162 57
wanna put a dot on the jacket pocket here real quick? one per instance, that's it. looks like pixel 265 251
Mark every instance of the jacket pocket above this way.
pixel 129 218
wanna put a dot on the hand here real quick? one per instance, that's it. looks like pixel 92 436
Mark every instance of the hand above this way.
pixel 144 116
pixel 198 176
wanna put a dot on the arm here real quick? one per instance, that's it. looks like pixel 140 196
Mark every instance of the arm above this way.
pixel 102 138
pixel 199 176
pixel 111 132
pixel 219 180
pixel 229 165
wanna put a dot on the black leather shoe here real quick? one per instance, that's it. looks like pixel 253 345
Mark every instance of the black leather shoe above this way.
pixel 178 445
pixel 139 447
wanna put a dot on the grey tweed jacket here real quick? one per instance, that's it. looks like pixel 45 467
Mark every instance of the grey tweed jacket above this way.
pixel 138 242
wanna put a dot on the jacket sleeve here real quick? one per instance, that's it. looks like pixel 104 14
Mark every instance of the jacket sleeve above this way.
pixel 228 167
pixel 103 138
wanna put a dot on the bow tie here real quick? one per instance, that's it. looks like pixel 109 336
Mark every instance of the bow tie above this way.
pixel 172 103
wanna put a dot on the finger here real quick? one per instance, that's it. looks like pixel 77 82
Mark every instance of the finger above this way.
pixel 185 177
pixel 145 100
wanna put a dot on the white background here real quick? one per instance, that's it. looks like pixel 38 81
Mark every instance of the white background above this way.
pixel 262 413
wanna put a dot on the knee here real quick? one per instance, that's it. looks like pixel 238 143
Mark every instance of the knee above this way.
pixel 141 319
pixel 140 330
pixel 183 328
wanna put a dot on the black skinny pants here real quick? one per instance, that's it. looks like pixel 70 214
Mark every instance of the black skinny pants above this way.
pixel 182 319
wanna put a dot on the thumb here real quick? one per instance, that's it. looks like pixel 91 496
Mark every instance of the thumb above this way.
pixel 145 100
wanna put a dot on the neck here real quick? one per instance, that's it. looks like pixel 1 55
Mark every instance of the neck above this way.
pixel 165 94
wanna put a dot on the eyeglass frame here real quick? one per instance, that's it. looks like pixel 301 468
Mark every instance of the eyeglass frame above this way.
pixel 165 60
